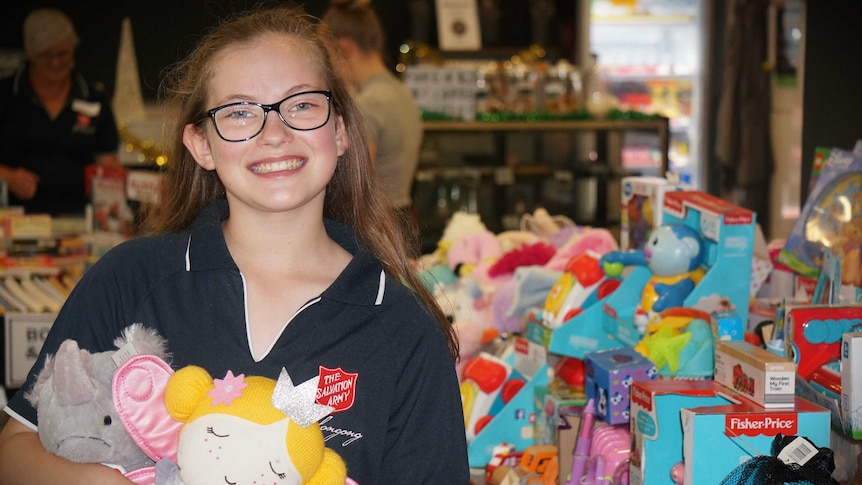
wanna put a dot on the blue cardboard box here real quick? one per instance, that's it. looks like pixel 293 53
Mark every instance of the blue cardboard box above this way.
pixel 609 377
pixel 656 428
pixel 717 439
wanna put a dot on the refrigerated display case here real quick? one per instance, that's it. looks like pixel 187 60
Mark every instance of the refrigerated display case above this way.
pixel 650 55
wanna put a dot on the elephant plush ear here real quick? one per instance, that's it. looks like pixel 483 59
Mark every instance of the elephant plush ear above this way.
pixel 73 375
pixel 139 398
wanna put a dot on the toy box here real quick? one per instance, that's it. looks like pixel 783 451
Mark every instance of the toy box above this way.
pixel 656 428
pixel 642 198
pixel 728 233
pixel 513 422
pixel 730 326
pixel 831 217
pixel 813 333
pixel 609 377
pixel 727 236
pixel 851 392
pixel 552 403
pixel 756 373
pixel 717 439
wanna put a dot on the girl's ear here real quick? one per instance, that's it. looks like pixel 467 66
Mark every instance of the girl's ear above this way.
pixel 341 143
pixel 198 145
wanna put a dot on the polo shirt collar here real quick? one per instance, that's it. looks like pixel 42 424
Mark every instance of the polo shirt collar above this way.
pixel 361 282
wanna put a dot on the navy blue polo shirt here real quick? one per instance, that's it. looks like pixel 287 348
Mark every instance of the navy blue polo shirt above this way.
pixel 403 420
pixel 57 150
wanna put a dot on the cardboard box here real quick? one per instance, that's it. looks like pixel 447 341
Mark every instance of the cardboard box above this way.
pixel 717 439
pixel 813 334
pixel 727 232
pixel 513 422
pixel 851 392
pixel 567 439
pixel 552 403
pixel 609 377
pixel 642 199
pixel 656 429
pixel 756 373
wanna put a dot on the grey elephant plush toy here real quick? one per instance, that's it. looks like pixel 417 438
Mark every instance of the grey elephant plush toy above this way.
pixel 74 403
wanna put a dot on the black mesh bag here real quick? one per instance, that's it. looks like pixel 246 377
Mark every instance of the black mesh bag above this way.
pixel 771 470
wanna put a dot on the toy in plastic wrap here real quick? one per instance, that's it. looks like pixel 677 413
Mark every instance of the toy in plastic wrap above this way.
pixel 831 217
pixel 610 453
pixel 487 379
pixel 642 200
pixel 673 253
pixel 582 284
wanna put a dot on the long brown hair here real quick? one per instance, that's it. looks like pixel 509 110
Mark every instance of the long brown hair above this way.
pixel 353 195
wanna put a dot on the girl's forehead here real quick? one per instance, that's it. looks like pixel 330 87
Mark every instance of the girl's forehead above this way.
pixel 276 62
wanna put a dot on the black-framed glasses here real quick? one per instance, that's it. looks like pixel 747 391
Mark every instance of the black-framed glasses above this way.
pixel 243 121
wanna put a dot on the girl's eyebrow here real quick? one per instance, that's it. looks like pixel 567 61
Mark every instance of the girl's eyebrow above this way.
pixel 240 97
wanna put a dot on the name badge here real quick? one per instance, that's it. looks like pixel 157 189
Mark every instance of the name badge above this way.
pixel 88 108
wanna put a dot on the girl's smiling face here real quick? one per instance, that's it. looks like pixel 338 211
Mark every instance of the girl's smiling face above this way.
pixel 280 169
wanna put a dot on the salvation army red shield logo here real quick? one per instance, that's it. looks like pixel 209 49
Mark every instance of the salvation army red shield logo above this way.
pixel 336 388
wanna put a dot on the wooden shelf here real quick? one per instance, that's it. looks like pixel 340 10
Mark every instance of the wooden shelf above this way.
pixel 659 126
pixel 500 187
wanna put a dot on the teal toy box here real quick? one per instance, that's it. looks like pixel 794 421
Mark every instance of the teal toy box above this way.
pixel 727 238
pixel 717 439
pixel 513 421
pixel 726 233
pixel 656 428
pixel 609 378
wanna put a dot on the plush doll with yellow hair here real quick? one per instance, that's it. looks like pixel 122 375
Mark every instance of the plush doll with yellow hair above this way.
pixel 249 430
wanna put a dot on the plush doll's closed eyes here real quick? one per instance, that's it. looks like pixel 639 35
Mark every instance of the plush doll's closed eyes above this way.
pixel 74 402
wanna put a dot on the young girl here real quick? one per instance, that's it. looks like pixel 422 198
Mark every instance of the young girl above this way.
pixel 277 249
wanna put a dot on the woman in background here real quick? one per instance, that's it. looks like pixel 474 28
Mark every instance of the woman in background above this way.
pixel 53 123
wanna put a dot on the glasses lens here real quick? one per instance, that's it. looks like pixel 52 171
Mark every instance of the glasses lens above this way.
pixel 240 121
pixel 305 111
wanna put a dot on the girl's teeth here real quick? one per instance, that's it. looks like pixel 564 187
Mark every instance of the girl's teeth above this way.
pixel 276 167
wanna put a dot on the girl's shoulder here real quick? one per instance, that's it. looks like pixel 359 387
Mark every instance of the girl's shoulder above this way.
pixel 147 254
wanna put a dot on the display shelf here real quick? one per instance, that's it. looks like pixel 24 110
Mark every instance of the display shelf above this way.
pixel 578 162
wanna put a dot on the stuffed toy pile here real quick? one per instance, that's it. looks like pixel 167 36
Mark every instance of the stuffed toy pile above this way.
pixel 486 283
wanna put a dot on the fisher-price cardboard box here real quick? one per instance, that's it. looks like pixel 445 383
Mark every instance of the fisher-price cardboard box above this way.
pixel 609 377
pixel 642 198
pixel 727 232
pixel 717 439
pixel 656 428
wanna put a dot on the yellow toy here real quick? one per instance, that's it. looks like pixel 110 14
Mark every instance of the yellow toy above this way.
pixel 250 430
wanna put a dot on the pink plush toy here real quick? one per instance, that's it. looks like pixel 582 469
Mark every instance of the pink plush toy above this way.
pixel 478 249
pixel 598 240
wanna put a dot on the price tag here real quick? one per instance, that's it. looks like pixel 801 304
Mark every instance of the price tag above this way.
pixel 799 451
